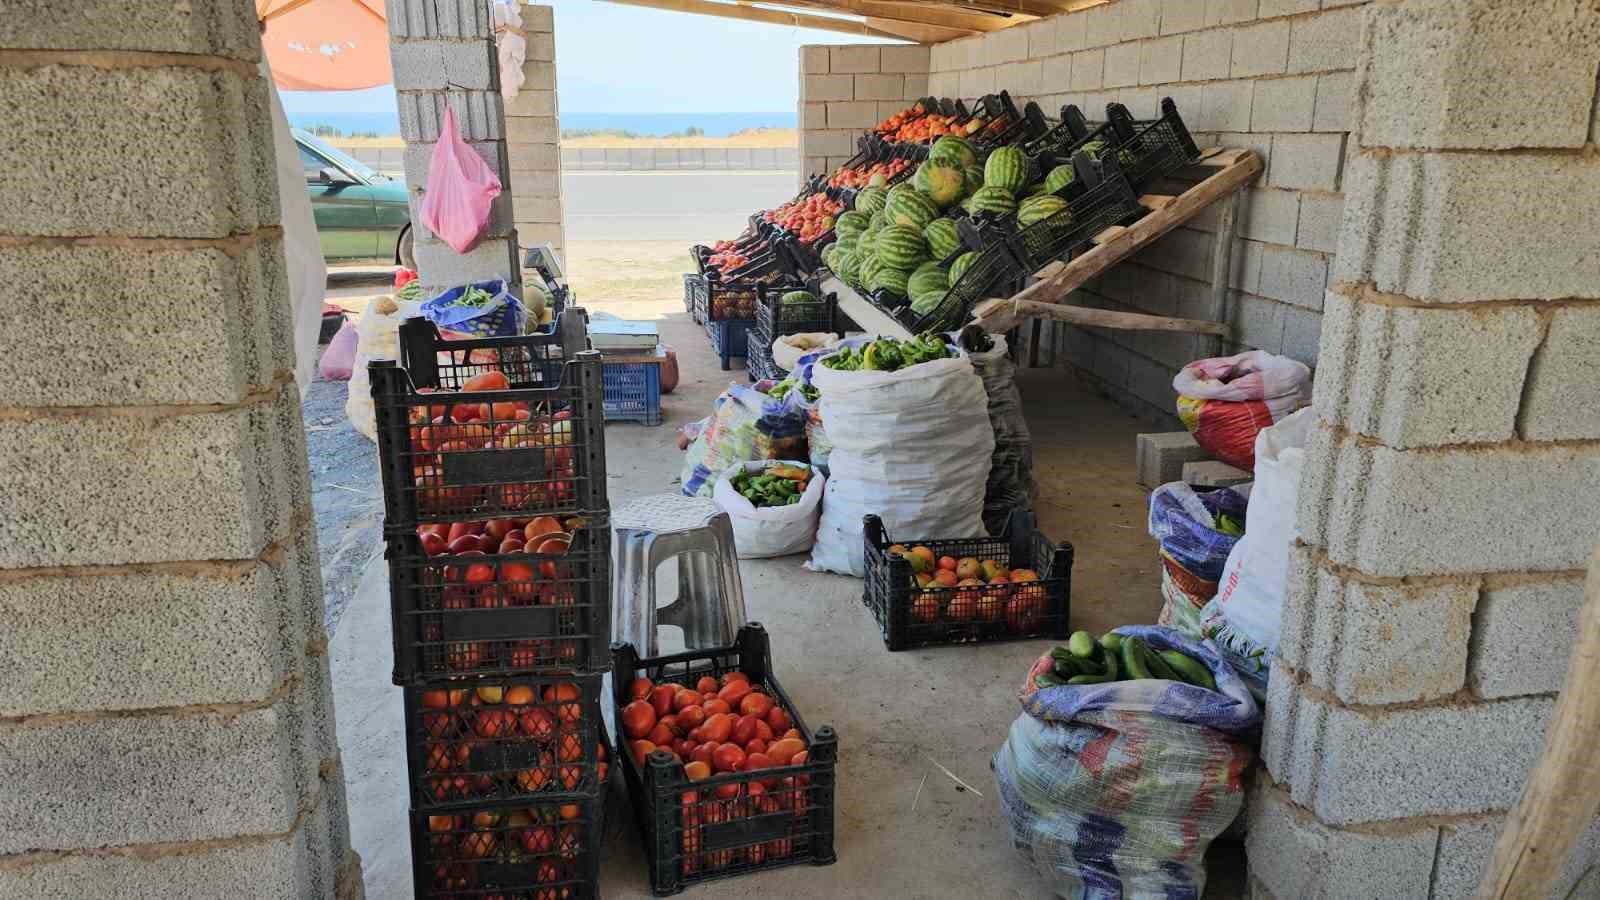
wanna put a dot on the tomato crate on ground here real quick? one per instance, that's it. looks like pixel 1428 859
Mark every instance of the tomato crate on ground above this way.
pixel 532 444
pixel 479 612
pixel 471 741
pixel 733 822
pixel 544 850
pixel 981 610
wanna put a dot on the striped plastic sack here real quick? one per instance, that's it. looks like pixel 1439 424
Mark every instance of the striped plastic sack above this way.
pixel 1116 790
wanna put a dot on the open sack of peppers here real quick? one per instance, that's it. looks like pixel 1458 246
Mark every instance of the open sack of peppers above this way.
pixel 773 505
pixel 1127 760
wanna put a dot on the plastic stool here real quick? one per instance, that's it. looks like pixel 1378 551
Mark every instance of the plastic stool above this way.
pixel 710 604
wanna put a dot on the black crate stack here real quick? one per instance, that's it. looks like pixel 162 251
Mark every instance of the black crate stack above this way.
pixel 497 527
pixel 775 319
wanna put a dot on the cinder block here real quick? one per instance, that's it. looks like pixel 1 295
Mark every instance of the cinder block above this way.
pixel 1042 38
pixel 1213 473
pixel 1160 60
pixel 1335 102
pixel 1088 67
pixel 536 157
pixel 823 143
pixel 538 17
pixel 854 114
pixel 1071 33
pixel 441 267
pixel 1375 643
pixel 1325 42
pixel 541 47
pixel 1285 7
pixel 1560 402
pixel 813 116
pixel 1367 764
pixel 880 87
pixel 944 84
pixel 1284 104
pixel 1122 65
pixel 813 60
pixel 1207 55
pixel 1523 634
pixel 1160 458
pixel 977 82
pixel 110 25
pixel 1140 19
pixel 1294 855
pixel 816 165
pixel 1005 46
pixel 887 108
pixel 916 87
pixel 819 88
pixel 1412 377
pixel 1433 226
pixel 1434 79
pixel 1021 79
pixel 1320 215
pixel 1224 105
pixel 1182 251
pixel 1103 26
pixel 1144 103
pixel 1465 847
pixel 1258 322
pixel 1182 15
pixel 911 59
pixel 526 183
pixel 479 116
pixel 1261 49
pixel 1270 215
pixel 450 19
pixel 1152 382
pixel 1302 335
pixel 1293 276
pixel 435 65
pixel 1228 12
pixel 852 58
pixel 1244 267
pixel 532 103
pixel 1393 512
pixel 1306 161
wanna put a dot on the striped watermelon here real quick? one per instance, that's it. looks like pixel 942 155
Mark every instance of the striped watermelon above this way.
pixel 912 208
pixel 928 301
pixel 929 276
pixel 942 180
pixel 1035 209
pixel 942 238
pixel 901 245
pixel 871 200
pixel 992 199
pixel 954 147
pixel 961 265
pixel 867 270
pixel 1006 168
pixel 1059 177
pixel 851 223
pixel 847 265
pixel 888 279
pixel 848 244
pixel 974 179
pixel 829 254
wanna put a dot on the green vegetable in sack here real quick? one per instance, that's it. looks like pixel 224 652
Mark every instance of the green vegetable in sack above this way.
pixel 473 296
pixel 779 485
pixel 882 355
pixel 782 389
pixel 1229 524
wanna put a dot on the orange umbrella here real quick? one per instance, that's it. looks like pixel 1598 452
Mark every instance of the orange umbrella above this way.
pixel 325 45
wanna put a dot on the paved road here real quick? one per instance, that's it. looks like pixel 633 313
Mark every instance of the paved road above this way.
pixel 661 206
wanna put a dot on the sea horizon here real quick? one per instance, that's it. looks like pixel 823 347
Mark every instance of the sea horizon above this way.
pixel 712 124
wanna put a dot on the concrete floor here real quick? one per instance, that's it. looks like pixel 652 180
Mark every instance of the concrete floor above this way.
pixel 896 714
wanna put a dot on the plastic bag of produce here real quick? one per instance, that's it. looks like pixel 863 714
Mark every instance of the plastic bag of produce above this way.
pixel 340 357
pixel 763 531
pixel 1011 484
pixel 461 188
pixel 728 438
pixel 911 446
pixel 1227 400
pixel 1196 532
pixel 480 309
pixel 787 350
pixel 1116 790
pixel 1244 616
pixel 377 337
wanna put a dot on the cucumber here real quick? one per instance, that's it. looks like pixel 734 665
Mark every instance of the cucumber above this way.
pixel 1133 659
pixel 1047 680
pixel 1112 673
pixel 1111 641
pixel 1081 644
pixel 1189 669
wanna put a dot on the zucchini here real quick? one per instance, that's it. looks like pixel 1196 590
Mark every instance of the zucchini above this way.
pixel 1189 668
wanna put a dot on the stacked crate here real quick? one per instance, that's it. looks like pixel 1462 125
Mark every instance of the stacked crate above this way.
pixel 774 319
pixel 498 541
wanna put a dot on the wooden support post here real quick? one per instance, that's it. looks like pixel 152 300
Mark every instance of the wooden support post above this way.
pixel 1221 274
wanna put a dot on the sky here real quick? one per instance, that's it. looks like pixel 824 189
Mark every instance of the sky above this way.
pixel 612 58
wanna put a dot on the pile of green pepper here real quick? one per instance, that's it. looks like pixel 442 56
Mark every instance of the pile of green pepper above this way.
pixel 888 355
pixel 1114 657
pixel 779 485
pixel 782 389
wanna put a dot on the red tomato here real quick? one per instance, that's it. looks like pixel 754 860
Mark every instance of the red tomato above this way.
pixel 727 757
pixel 638 719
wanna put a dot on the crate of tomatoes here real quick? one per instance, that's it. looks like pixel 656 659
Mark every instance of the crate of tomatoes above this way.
pixel 1018 585
pixel 725 776
pixel 543 850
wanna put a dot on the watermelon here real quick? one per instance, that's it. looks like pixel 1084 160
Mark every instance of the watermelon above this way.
pixel 901 245
pixel 1007 168
pixel 954 147
pixel 846 243
pixel 993 200
pixel 1059 177
pixel 851 223
pixel 797 297
pixel 846 265
pixel 877 221
pixel 829 254
pixel 871 200
pixel 929 276
pixel 868 269
pixel 961 265
pixel 942 238
pixel 974 179
pixel 927 302
pixel 1036 209
pixel 878 180
pixel 1094 149
pixel 912 208
pixel 942 180
pixel 888 279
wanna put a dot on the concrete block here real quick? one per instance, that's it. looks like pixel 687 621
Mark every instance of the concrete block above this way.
pixel 1522 634
pixel 1271 216
pixel 538 18
pixel 541 47
pixel 1182 251
pixel 818 88
pixel 880 87
pixel 434 65
pixel 944 84
pixel 1393 512
pixel 539 75
pixel 1294 855
pixel 1071 31
pixel 536 157
pixel 1140 19
pixel 1325 42
pixel 1293 276
pixel 1004 46
pixel 1225 106
pixel 852 59
pixel 1228 12
pixel 1367 764
pixel 111 25
pixel 1460 96
pixel 1320 215
pixel 978 82
pixel 1465 847
pixel 1182 15
pixel 1302 334
pixel 816 165
pixel 716 158
pixel 449 19
pixel 1271 8
pixel 1258 322
pixel 916 87
pixel 532 103
pixel 740 158
pixel 1088 67
pixel 1335 102
pixel 887 108
pixel 853 114
pixel 1103 25
pixel 1152 382
pixel 1560 401
pixel 1022 79
pixel 822 143
pixel 813 60
pixel 1213 473
pixel 1122 65
pixel 898 59
pixel 1042 36
pixel 1207 55
pixel 1244 266
pixel 1306 161
pixel 1375 643
pixel 1160 458
pixel 1284 104
pixel 1143 103
pixel 1261 49
pixel 1160 60
pixel 1433 226
pixel 480 116
pixel 813 116
pixel 440 266
pixel 1412 377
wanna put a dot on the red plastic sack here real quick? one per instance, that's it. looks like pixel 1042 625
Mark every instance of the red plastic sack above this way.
pixel 1226 401
pixel 461 186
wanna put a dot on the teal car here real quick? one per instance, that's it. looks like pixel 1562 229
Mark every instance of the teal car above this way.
pixel 360 213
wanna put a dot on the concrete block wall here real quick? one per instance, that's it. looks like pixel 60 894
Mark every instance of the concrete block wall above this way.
pixel 846 89
pixel 167 727
pixel 1273 76
pixel 533 137
pixel 1447 510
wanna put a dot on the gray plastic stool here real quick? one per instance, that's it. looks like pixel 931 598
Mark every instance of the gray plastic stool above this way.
pixel 710 604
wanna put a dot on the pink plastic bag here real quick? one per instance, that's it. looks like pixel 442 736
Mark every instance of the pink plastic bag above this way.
pixel 461 186
pixel 340 357
pixel 1226 401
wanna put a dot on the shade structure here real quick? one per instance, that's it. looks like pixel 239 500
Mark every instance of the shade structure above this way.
pixel 326 45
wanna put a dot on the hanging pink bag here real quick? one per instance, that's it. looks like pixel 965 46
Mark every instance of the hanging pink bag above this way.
pixel 461 186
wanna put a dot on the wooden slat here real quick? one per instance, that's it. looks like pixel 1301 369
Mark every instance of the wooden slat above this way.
pixel 919 13
pixel 1031 7
pixel 1003 315
pixel 871 319
pixel 1154 202
pixel 758 14
pixel 914 31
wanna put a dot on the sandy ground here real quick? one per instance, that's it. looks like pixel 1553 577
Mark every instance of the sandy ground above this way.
pixel 765 137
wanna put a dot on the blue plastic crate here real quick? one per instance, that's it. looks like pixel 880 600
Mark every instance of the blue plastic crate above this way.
pixel 729 338
pixel 632 392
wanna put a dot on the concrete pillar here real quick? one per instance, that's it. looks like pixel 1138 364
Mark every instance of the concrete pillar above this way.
pixel 443 53
pixel 1452 493
pixel 166 726
pixel 533 137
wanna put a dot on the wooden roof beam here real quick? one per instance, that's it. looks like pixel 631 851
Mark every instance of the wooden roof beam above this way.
pixel 1033 8
pixel 933 14
pixel 758 14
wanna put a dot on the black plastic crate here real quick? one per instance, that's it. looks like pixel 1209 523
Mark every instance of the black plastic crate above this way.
pixel 1062 141
pixel 1147 151
pixel 500 613
pixel 544 850
pixel 1098 197
pixel 776 319
pixel 727 299
pixel 691 289
pixel 912 616
pixel 758 357
pixel 729 338
pixel 732 823
pixel 534 448
pixel 995 273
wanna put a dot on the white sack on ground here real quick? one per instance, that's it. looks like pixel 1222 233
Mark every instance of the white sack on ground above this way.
pixel 764 531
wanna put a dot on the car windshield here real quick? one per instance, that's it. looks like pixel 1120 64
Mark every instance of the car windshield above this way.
pixel 350 163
